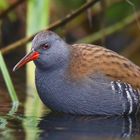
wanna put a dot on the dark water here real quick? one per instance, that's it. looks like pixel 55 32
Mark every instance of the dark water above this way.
pixel 52 126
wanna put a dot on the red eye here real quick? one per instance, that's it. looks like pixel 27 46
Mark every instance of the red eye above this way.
pixel 45 46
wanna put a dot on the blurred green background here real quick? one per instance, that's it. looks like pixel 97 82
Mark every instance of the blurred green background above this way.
pixel 113 24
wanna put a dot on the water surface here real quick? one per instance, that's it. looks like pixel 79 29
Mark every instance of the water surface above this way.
pixel 55 126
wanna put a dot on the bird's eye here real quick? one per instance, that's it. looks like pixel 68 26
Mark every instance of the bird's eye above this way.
pixel 45 46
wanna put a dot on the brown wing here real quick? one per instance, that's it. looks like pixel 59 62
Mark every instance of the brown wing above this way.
pixel 91 59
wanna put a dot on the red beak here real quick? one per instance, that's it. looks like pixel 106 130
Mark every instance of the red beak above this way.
pixel 33 55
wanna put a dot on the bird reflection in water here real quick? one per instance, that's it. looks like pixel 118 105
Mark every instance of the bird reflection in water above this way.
pixel 62 126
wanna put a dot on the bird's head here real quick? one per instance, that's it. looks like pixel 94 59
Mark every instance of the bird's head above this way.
pixel 48 51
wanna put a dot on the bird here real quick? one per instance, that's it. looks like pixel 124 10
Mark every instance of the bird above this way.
pixel 83 79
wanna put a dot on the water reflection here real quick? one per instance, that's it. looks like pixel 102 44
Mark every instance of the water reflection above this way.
pixel 60 126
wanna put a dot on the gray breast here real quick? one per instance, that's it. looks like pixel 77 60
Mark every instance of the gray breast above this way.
pixel 87 98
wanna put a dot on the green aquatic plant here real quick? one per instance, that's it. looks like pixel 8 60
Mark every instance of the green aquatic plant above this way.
pixel 8 81
pixel 37 19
